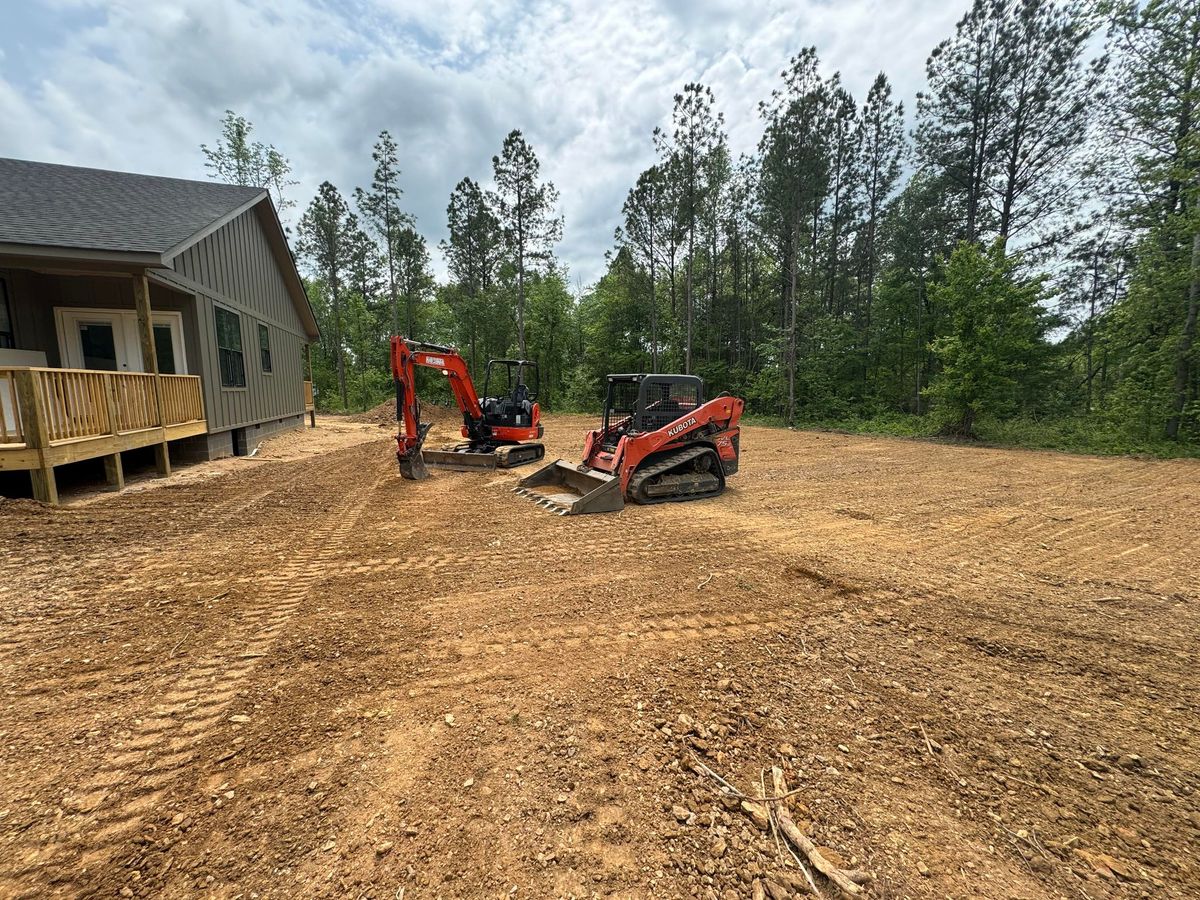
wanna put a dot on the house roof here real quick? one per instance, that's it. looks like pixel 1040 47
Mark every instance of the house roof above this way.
pixel 128 219
pixel 49 205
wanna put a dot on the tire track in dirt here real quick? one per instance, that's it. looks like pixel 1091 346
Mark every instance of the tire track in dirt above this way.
pixel 133 780
pixel 59 600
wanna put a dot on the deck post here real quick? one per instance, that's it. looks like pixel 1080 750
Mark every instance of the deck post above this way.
pixel 37 436
pixel 114 472
pixel 141 300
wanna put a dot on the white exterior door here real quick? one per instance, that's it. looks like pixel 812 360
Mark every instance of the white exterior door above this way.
pixel 108 339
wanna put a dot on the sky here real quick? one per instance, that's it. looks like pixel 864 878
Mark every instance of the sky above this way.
pixel 138 86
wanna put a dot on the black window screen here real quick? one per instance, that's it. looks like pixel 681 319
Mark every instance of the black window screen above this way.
pixel 6 324
pixel 622 403
pixel 668 401
pixel 229 348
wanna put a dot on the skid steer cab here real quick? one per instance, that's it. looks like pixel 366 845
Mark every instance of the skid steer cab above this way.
pixel 501 428
pixel 659 441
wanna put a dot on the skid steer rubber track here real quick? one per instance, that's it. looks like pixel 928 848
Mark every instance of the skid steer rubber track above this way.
pixel 690 473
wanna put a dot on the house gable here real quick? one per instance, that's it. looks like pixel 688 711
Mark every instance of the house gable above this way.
pixel 237 266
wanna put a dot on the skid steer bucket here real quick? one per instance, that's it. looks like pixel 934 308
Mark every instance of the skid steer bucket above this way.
pixel 572 490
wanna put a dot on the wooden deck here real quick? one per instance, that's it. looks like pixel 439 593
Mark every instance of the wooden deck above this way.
pixel 51 417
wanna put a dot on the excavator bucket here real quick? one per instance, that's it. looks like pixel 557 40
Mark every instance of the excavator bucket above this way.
pixel 571 490
pixel 412 465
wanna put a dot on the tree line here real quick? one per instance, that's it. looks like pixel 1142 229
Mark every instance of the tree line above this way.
pixel 1026 250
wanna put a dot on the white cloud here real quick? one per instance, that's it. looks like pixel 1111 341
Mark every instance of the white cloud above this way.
pixel 138 85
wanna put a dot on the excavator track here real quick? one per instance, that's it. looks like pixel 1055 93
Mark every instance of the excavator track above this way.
pixel 518 455
pixel 673 477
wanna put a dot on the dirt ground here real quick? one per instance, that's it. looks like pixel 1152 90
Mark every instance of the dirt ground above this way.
pixel 300 676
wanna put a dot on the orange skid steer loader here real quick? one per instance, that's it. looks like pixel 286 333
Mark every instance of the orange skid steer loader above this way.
pixel 497 428
pixel 659 442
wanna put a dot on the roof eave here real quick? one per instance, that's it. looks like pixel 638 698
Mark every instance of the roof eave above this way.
pixel 41 254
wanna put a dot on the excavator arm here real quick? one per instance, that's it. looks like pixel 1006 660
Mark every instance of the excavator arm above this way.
pixel 406 356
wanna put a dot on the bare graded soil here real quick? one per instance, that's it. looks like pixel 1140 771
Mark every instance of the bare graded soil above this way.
pixel 300 676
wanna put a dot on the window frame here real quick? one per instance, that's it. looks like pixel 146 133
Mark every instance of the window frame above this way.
pixel 240 350
pixel 265 362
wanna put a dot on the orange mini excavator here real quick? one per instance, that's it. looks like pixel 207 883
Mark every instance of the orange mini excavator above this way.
pixel 497 428
pixel 659 442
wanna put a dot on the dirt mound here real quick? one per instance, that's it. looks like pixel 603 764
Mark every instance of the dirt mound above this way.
pixel 384 415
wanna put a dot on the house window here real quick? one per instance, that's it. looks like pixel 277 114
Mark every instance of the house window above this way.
pixel 229 348
pixel 264 347
pixel 7 340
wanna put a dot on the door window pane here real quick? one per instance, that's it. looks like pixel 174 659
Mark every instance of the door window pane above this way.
pixel 99 346
pixel 164 349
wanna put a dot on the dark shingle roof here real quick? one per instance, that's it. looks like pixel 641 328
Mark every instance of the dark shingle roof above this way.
pixel 94 209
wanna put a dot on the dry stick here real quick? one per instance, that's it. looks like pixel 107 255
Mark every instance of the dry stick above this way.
pixel 705 581
pixel 802 842
pixel 734 792
pixel 928 743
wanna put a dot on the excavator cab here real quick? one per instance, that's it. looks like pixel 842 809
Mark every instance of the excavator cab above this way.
pixel 510 388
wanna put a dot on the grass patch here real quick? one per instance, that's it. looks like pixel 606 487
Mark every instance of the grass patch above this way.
pixel 1070 435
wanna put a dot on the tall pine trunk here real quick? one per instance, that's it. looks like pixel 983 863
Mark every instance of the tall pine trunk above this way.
pixel 1183 359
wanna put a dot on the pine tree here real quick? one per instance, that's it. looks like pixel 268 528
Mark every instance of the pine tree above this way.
pixel 958 115
pixel 881 147
pixel 698 131
pixel 381 208
pixel 794 181
pixel 1155 104
pixel 326 240
pixel 472 251
pixel 645 215
pixel 525 207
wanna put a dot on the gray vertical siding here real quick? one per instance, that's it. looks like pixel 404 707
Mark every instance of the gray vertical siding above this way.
pixel 234 267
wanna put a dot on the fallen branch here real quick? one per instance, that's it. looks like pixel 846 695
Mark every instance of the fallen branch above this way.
pixel 847 881
pixel 840 878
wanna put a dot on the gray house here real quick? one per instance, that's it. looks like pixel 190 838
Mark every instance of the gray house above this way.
pixel 140 311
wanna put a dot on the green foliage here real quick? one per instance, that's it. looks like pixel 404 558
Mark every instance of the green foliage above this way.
pixel 822 284
pixel 238 160
pixel 994 347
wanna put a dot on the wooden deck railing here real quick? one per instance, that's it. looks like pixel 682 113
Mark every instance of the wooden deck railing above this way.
pixel 79 404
